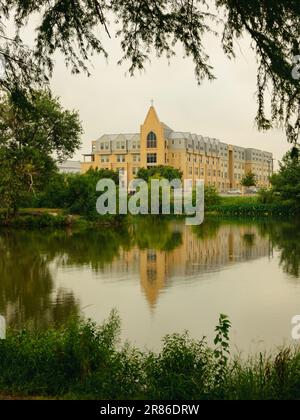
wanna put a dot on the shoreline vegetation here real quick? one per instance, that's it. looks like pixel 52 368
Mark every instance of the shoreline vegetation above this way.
pixel 84 361
pixel 241 206
pixel 73 198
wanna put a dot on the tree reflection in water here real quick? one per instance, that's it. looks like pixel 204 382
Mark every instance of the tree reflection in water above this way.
pixel 28 259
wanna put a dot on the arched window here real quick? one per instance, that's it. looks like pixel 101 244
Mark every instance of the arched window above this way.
pixel 151 140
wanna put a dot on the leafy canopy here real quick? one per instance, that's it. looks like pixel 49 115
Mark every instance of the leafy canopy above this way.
pixel 286 183
pixel 167 172
pixel 31 137
pixel 78 29
pixel 249 180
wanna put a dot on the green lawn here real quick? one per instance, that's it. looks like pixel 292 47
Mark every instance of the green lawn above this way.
pixel 237 200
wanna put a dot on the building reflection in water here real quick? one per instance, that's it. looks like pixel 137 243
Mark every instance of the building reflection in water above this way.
pixel 198 253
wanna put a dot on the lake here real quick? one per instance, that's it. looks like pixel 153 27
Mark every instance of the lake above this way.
pixel 161 276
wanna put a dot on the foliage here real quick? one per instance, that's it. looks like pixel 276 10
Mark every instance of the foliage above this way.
pixel 267 196
pixel 83 360
pixel 38 221
pixel 239 199
pixel 211 196
pixel 30 136
pixel 286 183
pixel 265 204
pixel 76 193
pixel 254 210
pixel 141 27
pixel 249 180
pixel 166 172
pixel 222 352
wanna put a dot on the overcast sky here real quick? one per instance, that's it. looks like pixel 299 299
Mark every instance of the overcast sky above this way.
pixel 112 102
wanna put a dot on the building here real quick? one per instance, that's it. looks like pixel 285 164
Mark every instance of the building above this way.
pixel 193 257
pixel 219 164
pixel 69 167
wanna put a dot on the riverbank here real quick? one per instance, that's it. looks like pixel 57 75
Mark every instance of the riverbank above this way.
pixel 248 206
pixel 54 218
pixel 82 360
pixel 236 207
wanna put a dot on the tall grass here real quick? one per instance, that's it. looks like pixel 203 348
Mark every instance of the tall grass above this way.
pixel 83 360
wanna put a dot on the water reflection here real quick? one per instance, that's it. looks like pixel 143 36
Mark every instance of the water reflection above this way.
pixel 159 253
pixel 174 252
pixel 27 292
pixel 286 237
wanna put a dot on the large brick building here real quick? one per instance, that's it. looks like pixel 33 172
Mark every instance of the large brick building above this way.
pixel 219 164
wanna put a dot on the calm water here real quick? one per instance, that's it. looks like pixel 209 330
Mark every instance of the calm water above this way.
pixel 161 276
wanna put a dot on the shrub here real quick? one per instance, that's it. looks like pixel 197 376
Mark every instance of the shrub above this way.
pixel 254 210
pixel 267 196
pixel 83 360
pixel 211 196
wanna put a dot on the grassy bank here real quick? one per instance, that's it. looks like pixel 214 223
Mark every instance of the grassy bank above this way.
pixel 85 361
pixel 241 206
pixel 250 207
pixel 54 218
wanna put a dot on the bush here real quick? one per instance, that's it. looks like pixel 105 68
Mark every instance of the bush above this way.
pixel 286 183
pixel 76 194
pixel 267 196
pixel 82 360
pixel 37 221
pixel 211 196
pixel 254 210
pixel 161 171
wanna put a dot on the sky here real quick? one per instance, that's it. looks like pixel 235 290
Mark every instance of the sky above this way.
pixel 110 101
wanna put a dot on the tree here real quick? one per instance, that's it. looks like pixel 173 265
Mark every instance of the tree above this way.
pixel 31 137
pixel 211 196
pixel 143 26
pixel 286 183
pixel 249 180
pixel 160 171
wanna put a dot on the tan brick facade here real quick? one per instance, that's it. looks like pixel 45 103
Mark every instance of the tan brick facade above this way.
pixel 219 164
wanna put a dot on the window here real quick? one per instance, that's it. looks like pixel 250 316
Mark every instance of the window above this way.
pixel 121 158
pixel 104 159
pixel 151 140
pixel 136 158
pixel 151 158
pixel 135 171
